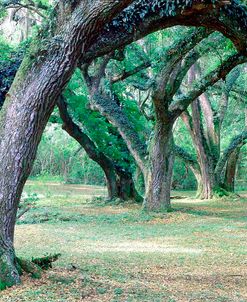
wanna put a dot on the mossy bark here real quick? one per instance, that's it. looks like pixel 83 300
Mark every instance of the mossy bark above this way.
pixel 158 177
pixel 126 187
pixel 41 78
pixel 230 173
pixel 9 274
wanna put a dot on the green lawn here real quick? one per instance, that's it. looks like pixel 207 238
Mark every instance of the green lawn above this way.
pixel 120 253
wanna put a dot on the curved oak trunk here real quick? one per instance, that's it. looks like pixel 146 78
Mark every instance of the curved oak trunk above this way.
pixel 205 158
pixel 126 187
pixel 111 183
pixel 29 103
pixel 230 174
pixel 158 177
pixel 120 184
pixel 208 179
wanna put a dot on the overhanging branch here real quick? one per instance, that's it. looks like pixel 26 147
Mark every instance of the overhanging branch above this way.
pixel 182 101
pixel 236 142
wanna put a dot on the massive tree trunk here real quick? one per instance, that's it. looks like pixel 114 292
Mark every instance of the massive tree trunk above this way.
pixel 126 187
pixel 204 155
pixel 158 177
pixel 230 173
pixel 206 144
pixel 208 180
pixel 29 103
pixel 192 164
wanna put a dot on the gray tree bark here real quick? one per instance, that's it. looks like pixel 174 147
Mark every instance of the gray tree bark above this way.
pixel 158 176
pixel 230 173
pixel 30 101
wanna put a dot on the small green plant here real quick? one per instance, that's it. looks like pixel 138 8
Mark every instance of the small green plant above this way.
pixel 118 291
pixel 28 201
pixel 101 290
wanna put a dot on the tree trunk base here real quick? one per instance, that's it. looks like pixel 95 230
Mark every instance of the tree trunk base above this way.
pixel 217 192
pixel 29 267
pixel 12 267
pixel 9 273
pixel 160 207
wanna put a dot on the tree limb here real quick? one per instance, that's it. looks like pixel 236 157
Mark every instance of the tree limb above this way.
pixel 126 74
pixel 236 142
pixel 108 107
pixel 182 101
pixel 187 157
pixel 230 81
pixel 144 17
pixel 173 56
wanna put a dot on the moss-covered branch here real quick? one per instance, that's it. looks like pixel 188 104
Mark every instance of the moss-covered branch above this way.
pixel 145 17
pixel 186 157
pixel 236 142
pixel 182 101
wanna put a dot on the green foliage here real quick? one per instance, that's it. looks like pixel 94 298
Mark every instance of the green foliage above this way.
pixel 5 50
pixel 60 158
pixel 27 202
pixel 101 132
pixel 183 178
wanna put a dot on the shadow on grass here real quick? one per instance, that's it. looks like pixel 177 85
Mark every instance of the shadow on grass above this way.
pixel 222 211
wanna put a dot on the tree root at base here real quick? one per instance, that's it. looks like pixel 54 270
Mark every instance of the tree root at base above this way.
pixel 36 265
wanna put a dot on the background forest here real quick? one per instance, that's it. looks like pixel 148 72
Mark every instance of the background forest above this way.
pixel 60 157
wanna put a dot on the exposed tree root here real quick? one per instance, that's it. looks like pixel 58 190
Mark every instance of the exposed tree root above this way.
pixel 36 265
pixel 46 262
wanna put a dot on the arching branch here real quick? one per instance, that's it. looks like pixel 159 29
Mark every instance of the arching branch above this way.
pixel 182 101
pixel 236 142
pixel 144 17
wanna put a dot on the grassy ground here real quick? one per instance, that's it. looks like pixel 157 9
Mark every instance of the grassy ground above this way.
pixel 119 253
